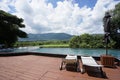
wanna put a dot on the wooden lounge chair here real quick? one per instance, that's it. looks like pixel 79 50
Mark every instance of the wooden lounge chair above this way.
pixel 90 62
pixel 70 61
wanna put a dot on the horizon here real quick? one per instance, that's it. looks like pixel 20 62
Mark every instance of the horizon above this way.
pixel 62 33
pixel 74 17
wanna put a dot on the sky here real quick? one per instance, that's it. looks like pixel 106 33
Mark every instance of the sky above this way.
pixel 74 17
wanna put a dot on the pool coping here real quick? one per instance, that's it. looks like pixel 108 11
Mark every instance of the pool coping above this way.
pixel 7 54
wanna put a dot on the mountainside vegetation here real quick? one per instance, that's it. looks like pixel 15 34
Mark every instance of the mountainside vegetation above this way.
pixel 82 41
pixel 46 37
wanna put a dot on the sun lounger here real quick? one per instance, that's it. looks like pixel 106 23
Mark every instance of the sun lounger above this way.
pixel 90 61
pixel 70 61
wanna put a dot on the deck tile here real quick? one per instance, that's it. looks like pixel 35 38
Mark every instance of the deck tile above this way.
pixel 32 67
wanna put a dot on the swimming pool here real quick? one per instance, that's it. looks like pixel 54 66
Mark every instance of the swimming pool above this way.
pixel 79 51
pixel 74 51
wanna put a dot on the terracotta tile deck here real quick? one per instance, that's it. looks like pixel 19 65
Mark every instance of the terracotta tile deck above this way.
pixel 32 67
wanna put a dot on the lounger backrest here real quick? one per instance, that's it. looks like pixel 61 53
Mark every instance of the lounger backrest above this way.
pixel 89 61
pixel 70 59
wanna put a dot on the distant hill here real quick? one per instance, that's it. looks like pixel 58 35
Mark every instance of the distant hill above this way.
pixel 47 36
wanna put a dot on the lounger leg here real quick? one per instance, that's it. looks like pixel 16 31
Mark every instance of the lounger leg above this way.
pixel 101 72
pixel 78 66
pixel 83 69
pixel 61 64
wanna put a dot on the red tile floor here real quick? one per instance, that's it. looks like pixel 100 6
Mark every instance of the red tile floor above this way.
pixel 32 67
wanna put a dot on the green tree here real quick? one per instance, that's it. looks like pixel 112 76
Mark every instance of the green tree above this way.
pixel 9 29
pixel 74 42
pixel 86 38
pixel 87 41
pixel 115 25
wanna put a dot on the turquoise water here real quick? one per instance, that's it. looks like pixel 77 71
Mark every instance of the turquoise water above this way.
pixel 20 49
pixel 76 51
pixel 88 52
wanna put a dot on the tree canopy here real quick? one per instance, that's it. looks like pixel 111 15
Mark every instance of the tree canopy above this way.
pixel 115 25
pixel 89 41
pixel 9 29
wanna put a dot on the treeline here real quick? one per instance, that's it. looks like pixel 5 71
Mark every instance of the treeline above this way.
pixel 89 41
pixel 40 43
pixel 82 41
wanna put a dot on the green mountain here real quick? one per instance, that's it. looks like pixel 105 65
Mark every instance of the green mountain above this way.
pixel 47 36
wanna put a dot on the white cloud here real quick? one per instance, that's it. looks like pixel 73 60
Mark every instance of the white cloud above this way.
pixel 4 5
pixel 42 17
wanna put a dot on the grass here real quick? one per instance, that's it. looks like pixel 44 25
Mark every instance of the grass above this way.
pixel 55 46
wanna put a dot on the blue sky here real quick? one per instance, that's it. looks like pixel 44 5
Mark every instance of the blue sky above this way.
pixel 60 16
pixel 88 3
pixel 81 3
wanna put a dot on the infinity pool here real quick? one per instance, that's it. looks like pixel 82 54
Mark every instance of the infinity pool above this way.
pixel 75 51
pixel 79 51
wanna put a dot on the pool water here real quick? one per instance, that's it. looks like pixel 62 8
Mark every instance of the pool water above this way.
pixel 74 51
pixel 79 51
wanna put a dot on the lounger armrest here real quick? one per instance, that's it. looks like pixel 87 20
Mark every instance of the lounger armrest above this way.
pixel 71 57
pixel 95 65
